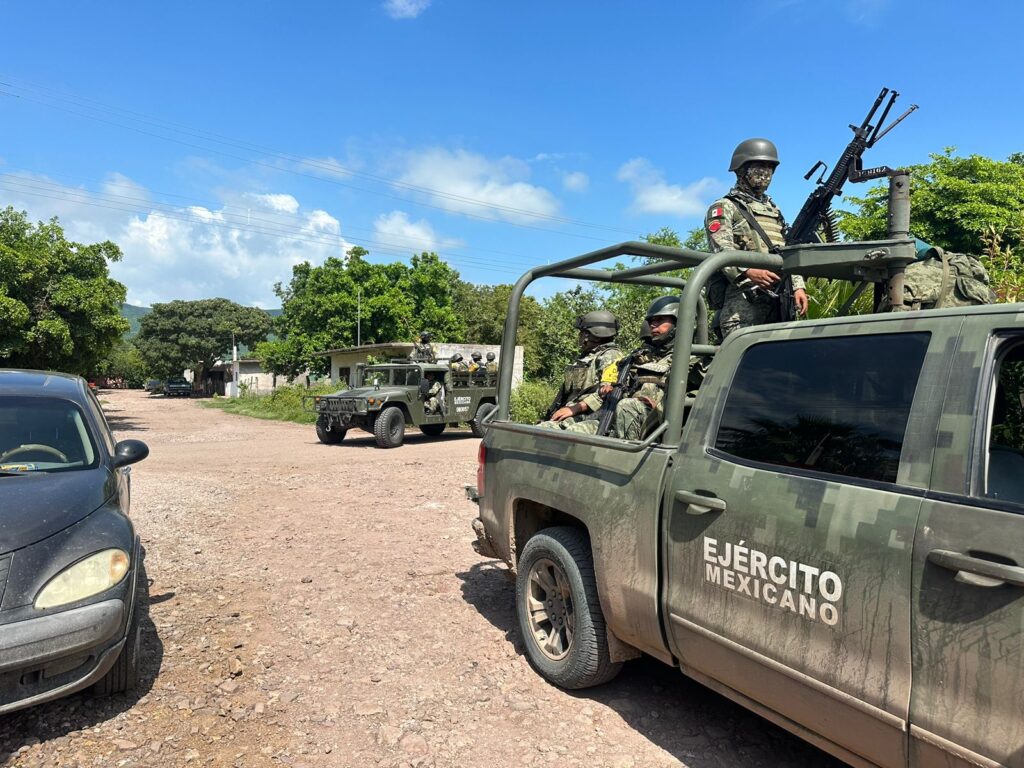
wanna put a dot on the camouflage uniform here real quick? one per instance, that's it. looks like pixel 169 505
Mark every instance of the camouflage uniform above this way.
pixel 641 408
pixel 424 351
pixel 432 398
pixel 728 230
pixel 581 381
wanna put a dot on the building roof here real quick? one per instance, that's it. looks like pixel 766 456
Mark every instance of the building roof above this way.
pixel 398 346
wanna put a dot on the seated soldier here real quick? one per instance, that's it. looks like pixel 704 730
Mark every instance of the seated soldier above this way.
pixel 492 366
pixel 433 393
pixel 643 374
pixel 457 364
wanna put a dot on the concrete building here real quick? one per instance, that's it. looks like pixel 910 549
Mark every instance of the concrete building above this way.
pixel 344 360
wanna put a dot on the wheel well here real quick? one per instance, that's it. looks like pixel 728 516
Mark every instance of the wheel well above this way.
pixel 399 406
pixel 531 516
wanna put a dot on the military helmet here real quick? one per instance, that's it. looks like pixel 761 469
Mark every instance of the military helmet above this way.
pixel 425 336
pixel 490 357
pixel 477 356
pixel 456 358
pixel 601 324
pixel 666 305
pixel 752 150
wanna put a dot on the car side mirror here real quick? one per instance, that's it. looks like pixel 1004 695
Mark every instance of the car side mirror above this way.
pixel 129 451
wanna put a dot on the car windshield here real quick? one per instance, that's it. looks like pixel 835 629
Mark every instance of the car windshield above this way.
pixel 382 375
pixel 41 434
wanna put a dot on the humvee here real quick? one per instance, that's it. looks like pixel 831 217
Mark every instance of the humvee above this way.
pixel 384 398
pixel 831 533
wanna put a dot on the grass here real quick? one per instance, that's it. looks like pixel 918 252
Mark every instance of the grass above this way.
pixel 283 404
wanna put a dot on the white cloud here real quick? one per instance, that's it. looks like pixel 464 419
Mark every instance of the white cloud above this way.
pixel 237 250
pixel 652 194
pixel 576 181
pixel 405 9
pixel 282 203
pixel 396 229
pixel 465 182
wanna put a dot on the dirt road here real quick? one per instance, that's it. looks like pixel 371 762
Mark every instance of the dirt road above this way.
pixel 318 605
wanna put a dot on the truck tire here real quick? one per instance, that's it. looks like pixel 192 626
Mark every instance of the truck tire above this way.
pixel 327 435
pixel 477 425
pixel 124 675
pixel 558 611
pixel 432 430
pixel 389 428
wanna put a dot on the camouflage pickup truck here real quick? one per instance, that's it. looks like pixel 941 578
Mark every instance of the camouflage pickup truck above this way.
pixel 831 533
pixel 384 398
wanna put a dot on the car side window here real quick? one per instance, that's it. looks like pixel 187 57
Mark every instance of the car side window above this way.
pixel 1005 466
pixel 101 420
pixel 835 405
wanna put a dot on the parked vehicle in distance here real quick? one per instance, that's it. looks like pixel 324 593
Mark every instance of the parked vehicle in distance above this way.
pixel 831 533
pixel 69 555
pixel 384 398
pixel 178 386
pixel 154 386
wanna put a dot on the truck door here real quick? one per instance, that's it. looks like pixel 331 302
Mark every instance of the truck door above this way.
pixel 967 705
pixel 789 526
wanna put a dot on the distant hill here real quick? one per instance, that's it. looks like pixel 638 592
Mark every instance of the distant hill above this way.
pixel 134 315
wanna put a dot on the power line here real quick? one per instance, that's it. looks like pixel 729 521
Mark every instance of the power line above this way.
pixel 269 231
pixel 308 162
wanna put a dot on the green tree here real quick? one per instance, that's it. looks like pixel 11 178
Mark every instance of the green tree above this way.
pixel 59 307
pixel 954 201
pixel 483 309
pixel 194 334
pixel 343 301
pixel 125 362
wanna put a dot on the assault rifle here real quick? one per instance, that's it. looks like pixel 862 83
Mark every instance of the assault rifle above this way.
pixel 606 413
pixel 817 214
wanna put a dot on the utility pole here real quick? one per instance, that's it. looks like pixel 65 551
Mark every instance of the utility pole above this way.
pixel 359 317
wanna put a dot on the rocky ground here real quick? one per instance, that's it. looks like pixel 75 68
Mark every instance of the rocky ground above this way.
pixel 315 605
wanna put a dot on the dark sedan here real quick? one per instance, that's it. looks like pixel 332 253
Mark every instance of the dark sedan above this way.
pixel 69 554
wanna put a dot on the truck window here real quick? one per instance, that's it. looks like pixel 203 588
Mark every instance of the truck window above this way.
pixel 1005 478
pixel 836 405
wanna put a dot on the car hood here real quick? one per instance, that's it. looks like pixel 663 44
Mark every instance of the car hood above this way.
pixel 35 506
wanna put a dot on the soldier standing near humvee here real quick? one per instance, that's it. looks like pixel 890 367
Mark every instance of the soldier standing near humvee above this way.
pixel 433 394
pixel 746 219
pixel 578 394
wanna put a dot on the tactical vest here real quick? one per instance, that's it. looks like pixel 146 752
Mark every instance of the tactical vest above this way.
pixel 765 214
pixel 583 375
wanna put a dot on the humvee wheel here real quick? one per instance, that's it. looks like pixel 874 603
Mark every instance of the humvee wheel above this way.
pixel 389 428
pixel 477 424
pixel 558 611
pixel 328 435
pixel 432 430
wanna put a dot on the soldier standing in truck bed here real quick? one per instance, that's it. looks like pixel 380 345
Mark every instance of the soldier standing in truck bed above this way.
pixel 745 297
pixel 578 394
pixel 423 350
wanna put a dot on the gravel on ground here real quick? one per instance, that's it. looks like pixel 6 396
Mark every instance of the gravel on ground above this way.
pixel 314 605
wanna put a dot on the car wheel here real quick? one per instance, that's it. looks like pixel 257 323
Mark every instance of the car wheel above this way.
pixel 432 430
pixel 124 675
pixel 327 434
pixel 558 611
pixel 477 425
pixel 389 428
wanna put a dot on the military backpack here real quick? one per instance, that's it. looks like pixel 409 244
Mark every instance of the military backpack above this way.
pixel 945 280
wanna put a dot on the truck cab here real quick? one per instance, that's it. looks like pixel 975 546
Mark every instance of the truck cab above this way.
pixel 830 533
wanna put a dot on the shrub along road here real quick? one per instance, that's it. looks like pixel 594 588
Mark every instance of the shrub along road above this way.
pixel 321 606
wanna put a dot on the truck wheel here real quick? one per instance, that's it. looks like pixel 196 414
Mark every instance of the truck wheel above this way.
pixel 389 428
pixel 477 424
pixel 327 434
pixel 432 430
pixel 124 675
pixel 558 611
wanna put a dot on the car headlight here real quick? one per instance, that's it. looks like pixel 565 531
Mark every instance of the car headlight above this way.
pixel 85 578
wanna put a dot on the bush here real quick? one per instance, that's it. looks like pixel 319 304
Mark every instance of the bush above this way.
pixel 530 401
pixel 283 404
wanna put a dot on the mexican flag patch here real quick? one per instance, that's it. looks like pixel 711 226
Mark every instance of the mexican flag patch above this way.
pixel 717 212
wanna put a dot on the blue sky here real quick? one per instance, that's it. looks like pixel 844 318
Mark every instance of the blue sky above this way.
pixel 219 144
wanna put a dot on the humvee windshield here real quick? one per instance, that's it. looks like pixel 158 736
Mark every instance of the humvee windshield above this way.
pixel 399 377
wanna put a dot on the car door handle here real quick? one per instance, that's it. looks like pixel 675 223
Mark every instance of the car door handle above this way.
pixel 699 504
pixel 976 570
